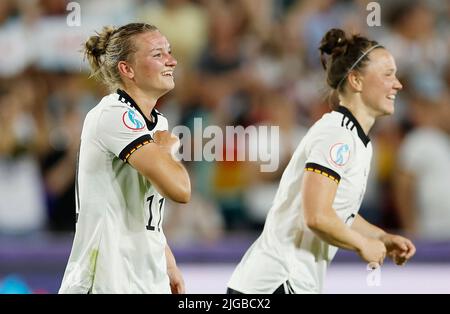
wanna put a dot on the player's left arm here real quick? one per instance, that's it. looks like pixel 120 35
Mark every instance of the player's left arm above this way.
pixel 399 249
pixel 174 273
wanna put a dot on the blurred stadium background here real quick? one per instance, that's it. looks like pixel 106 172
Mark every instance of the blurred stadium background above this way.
pixel 241 62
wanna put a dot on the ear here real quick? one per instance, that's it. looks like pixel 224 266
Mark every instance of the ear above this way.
pixel 355 81
pixel 125 69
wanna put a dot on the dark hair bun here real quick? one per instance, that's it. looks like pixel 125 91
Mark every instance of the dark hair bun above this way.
pixel 339 53
pixel 334 42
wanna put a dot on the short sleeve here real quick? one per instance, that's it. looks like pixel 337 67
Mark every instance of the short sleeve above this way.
pixel 122 131
pixel 329 153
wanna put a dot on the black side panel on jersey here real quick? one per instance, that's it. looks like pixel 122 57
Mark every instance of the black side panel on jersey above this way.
pixel 333 175
pixel 133 146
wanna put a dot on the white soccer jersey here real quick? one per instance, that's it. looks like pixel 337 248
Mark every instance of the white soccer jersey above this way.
pixel 119 245
pixel 287 250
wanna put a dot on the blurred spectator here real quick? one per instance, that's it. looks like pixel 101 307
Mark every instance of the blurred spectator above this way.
pixel 6 10
pixel 53 7
pixel 423 175
pixel 312 19
pixel 114 12
pixel 224 91
pixel 419 46
pixel 59 169
pixel 379 203
pixel 185 25
pixel 199 221
pixel 242 63
pixel 22 140
pixel 68 103
pixel 276 111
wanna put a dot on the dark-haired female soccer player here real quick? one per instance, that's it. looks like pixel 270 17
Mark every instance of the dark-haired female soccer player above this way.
pixel 315 210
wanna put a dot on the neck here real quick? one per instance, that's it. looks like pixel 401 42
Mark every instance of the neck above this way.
pixel 144 101
pixel 360 111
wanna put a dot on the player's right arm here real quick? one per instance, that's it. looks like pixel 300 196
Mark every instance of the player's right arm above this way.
pixel 129 140
pixel 329 156
pixel 318 193
pixel 155 161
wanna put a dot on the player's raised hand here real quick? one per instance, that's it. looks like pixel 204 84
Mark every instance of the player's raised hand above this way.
pixel 399 249
pixel 166 140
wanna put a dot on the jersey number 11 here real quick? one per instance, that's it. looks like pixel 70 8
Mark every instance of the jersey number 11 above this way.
pixel 158 226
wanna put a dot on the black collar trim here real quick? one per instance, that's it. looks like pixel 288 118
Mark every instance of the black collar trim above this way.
pixel 124 97
pixel 361 134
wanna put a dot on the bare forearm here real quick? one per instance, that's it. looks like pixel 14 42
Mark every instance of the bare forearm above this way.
pixel 333 231
pixel 318 194
pixel 321 218
pixel 170 259
pixel 167 175
pixel 177 186
pixel 367 229
pixel 175 277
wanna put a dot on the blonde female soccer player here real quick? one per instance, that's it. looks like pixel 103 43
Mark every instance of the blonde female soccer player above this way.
pixel 315 210
pixel 126 170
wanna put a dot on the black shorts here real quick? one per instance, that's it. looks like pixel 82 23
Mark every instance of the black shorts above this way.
pixel 284 288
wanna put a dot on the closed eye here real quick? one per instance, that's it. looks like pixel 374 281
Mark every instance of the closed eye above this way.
pixel 390 72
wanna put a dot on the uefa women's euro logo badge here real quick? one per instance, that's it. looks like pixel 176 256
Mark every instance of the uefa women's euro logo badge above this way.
pixel 132 120
pixel 340 154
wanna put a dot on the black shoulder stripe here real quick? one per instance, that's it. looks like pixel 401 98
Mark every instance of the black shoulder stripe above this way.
pixel 133 146
pixel 348 122
pixel 158 112
pixel 351 118
pixel 333 175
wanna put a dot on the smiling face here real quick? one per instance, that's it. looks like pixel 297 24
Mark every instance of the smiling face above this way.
pixel 153 64
pixel 380 84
